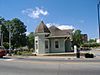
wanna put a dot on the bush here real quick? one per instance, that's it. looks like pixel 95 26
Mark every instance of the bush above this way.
pixel 87 55
pixel 18 53
pixel 85 48
pixel 89 45
pixel 23 53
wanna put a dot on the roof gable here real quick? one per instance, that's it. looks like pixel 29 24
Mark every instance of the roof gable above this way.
pixel 42 28
pixel 57 32
pixel 53 30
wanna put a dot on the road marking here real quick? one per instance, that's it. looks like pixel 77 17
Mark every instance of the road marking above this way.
pixel 8 59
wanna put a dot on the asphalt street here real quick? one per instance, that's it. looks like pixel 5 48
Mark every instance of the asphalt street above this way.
pixel 49 66
pixel 17 67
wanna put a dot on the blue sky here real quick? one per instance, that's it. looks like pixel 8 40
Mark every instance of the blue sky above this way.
pixel 80 14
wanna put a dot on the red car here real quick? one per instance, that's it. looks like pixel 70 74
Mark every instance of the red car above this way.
pixel 2 52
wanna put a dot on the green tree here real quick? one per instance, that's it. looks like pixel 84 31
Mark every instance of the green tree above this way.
pixel 31 40
pixel 16 29
pixel 3 30
pixel 18 35
pixel 92 40
pixel 77 38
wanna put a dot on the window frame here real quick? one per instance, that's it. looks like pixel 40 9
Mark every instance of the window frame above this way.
pixel 55 46
pixel 36 44
pixel 46 40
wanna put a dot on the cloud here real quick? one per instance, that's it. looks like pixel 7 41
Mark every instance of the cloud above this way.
pixel 61 26
pixel 64 27
pixel 27 33
pixel 50 24
pixel 35 13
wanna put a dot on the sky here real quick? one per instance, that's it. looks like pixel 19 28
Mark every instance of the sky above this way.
pixel 65 14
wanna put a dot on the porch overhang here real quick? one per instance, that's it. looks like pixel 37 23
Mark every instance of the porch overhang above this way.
pixel 51 37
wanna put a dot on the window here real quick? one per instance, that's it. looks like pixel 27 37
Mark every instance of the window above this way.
pixel 46 35
pixel 46 44
pixel 56 44
pixel 36 44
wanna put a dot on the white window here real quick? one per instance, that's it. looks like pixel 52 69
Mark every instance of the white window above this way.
pixel 46 44
pixel 56 44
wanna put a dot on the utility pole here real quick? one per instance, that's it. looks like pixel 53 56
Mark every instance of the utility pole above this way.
pixel 1 35
pixel 9 40
pixel 2 39
pixel 98 11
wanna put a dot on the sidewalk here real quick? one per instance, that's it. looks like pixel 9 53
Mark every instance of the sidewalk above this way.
pixel 55 57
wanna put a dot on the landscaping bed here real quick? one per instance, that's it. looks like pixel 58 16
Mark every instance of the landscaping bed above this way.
pixel 61 54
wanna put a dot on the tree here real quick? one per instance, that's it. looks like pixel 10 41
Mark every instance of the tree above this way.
pixel 92 40
pixel 18 35
pixel 3 30
pixel 16 29
pixel 31 40
pixel 77 38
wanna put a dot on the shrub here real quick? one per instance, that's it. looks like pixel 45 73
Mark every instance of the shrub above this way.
pixel 19 53
pixel 88 55
pixel 91 45
pixel 23 53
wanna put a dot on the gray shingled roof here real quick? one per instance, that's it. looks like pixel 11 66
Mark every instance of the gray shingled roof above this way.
pixel 53 30
pixel 42 28
pixel 57 32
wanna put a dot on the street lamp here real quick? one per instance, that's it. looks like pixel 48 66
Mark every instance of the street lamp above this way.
pixel 98 9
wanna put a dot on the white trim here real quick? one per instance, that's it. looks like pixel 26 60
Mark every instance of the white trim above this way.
pixel 41 33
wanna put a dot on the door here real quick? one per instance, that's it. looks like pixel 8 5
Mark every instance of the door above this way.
pixel 67 45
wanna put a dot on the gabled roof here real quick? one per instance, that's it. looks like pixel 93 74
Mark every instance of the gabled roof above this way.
pixel 57 32
pixel 42 28
pixel 53 30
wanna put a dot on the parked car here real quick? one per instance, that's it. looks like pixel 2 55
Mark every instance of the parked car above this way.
pixel 2 52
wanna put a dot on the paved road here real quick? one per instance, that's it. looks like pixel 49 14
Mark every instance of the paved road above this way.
pixel 96 51
pixel 17 67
